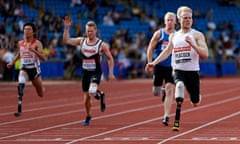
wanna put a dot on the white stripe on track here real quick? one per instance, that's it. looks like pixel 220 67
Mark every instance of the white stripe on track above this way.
pixel 115 114
pixel 197 128
pixel 155 119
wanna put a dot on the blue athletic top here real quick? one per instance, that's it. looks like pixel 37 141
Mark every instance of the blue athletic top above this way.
pixel 161 45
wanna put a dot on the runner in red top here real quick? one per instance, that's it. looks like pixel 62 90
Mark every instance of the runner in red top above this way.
pixel 30 53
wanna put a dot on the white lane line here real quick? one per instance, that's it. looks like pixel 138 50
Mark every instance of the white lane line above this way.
pixel 200 127
pixel 105 116
pixel 115 114
pixel 77 103
pixel 44 108
pixel 72 102
pixel 151 120
pixel 75 111
pixel 80 121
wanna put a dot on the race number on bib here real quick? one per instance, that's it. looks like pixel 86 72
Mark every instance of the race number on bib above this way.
pixel 164 45
pixel 28 61
pixel 89 64
pixel 183 57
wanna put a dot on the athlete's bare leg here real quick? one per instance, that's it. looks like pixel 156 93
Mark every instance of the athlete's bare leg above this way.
pixel 169 89
pixel 169 98
pixel 37 83
pixel 87 104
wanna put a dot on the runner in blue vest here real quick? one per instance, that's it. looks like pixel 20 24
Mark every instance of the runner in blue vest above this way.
pixel 163 71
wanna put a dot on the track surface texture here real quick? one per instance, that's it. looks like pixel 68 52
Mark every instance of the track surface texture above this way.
pixel 133 115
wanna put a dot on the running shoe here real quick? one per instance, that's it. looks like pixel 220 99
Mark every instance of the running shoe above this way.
pixel 176 126
pixel 87 121
pixel 165 120
pixel 196 104
pixel 17 114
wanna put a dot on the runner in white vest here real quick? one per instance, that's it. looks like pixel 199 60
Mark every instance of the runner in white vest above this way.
pixel 91 50
pixel 187 46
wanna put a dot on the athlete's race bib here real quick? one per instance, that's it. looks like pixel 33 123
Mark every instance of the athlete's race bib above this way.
pixel 27 58
pixel 89 64
pixel 182 57
pixel 182 54
pixel 28 61
pixel 164 45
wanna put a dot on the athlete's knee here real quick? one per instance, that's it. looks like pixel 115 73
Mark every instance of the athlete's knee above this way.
pixel 179 84
pixel 179 92
pixel 156 90
pixel 196 101
pixel 22 78
pixel 169 89
pixel 93 89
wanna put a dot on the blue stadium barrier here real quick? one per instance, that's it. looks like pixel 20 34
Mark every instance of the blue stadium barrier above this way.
pixel 52 70
pixel 229 68
pixel 208 68
pixel 119 71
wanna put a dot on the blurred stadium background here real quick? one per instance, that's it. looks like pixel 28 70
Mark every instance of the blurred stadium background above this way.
pixel 127 25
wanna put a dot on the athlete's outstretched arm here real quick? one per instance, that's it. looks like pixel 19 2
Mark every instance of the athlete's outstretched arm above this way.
pixel 66 36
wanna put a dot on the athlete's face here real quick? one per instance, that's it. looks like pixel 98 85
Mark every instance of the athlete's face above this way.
pixel 186 20
pixel 28 31
pixel 170 21
pixel 91 32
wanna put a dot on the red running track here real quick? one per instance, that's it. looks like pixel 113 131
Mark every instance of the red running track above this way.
pixel 133 115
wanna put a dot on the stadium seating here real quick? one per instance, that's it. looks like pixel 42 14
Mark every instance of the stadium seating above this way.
pixel 62 8
pixel 160 7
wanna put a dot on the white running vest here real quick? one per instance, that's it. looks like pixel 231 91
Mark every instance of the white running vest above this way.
pixel 184 57
pixel 90 53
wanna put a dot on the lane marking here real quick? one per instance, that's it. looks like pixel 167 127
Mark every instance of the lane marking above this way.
pixel 75 122
pixel 78 122
pixel 75 111
pixel 73 102
pixel 115 114
pixel 216 138
pixel 155 119
pixel 200 127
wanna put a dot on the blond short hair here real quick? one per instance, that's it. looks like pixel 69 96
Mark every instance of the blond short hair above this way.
pixel 170 13
pixel 91 24
pixel 183 9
